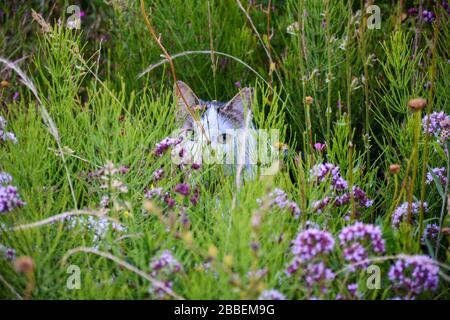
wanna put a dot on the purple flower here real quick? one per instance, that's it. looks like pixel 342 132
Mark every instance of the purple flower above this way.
pixel 358 240
pixel 280 199
pixel 196 166
pixel 414 275
pixel 164 264
pixel 9 199
pixel 237 84
pixel 312 243
pixel 440 173
pixel 194 198
pixel 163 267
pixel 428 16
pixel 430 233
pixel 182 188
pixel 158 174
pixel 164 144
pixel 5 178
pixel 325 170
pixel 319 146
pixel 5 135
pixel 154 192
pixel 271 295
pixel 170 201
pixel 321 204
pixel 16 95
pixel 439 125
pixel 402 211
pixel 317 274
pixel 7 253
pixel 413 11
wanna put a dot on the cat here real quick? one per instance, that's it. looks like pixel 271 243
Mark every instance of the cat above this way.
pixel 223 132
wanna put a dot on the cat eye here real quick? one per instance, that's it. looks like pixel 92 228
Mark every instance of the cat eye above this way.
pixel 223 138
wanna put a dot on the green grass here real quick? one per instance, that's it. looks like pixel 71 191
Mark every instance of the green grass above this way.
pixel 103 112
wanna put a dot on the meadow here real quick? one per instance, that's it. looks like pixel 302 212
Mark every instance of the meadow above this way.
pixel 93 207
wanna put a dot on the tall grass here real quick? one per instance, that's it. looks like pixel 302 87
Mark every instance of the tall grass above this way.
pixel 104 96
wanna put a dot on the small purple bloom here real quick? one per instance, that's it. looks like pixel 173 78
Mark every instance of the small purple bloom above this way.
pixel 272 295
pixel 358 240
pixel 182 188
pixel 158 174
pixel 402 211
pixel 9 199
pixel 440 173
pixel 430 233
pixel 319 146
pixel 414 275
pixel 312 243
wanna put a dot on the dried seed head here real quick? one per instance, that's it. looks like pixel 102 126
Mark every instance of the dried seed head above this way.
pixel 228 260
pixel 212 252
pixel 24 264
pixel 394 168
pixel 417 104
pixel 4 84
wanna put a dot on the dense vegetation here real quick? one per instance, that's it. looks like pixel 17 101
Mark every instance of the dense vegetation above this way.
pixel 87 185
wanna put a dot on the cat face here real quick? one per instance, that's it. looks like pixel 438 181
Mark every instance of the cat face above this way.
pixel 222 132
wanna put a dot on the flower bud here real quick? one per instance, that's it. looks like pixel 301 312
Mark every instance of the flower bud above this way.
pixel 394 168
pixel 24 264
pixel 417 104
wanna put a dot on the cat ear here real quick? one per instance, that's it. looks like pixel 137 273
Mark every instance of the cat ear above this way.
pixel 182 90
pixel 239 107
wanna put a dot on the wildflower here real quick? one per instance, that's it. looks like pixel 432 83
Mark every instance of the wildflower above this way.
pixel 164 144
pixel 4 84
pixel 319 146
pixel 158 174
pixel 309 100
pixel 440 173
pixel 324 170
pixel 417 104
pixel 237 84
pixel 312 243
pixel 358 240
pixel 153 192
pixel 430 233
pixel 413 11
pixel 7 253
pixel 5 178
pixel 194 197
pixel 414 275
pixel 402 211
pixel 182 188
pixel 5 135
pixel 163 267
pixel 98 227
pixel 318 273
pixel 280 199
pixel 196 166
pixel 272 295
pixel 164 264
pixel 428 16
pixel 170 201
pixel 439 125
pixel 9 199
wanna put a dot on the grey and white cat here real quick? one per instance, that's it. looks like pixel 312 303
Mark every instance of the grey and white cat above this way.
pixel 223 133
